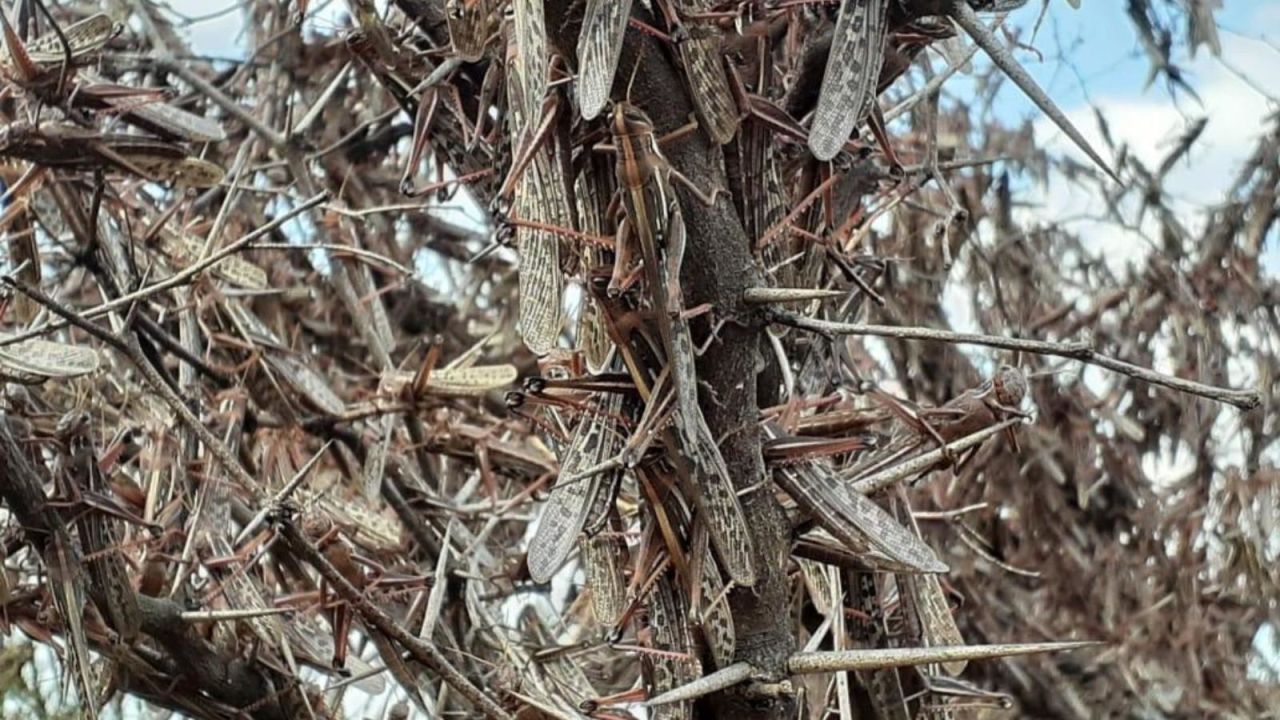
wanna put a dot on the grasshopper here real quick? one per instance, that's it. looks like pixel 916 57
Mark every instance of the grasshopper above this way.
pixel 674 665
pixel 857 51
pixel 44 65
pixel 157 117
pixel 34 361
pixel 705 70
pixel 850 517
pixel 593 188
pixel 468 26
pixel 70 147
pixel 884 686
pixel 110 585
pixel 653 216
pixel 531 47
pixel 963 415
pixel 541 197
pixel 923 595
pixel 604 559
pixel 571 503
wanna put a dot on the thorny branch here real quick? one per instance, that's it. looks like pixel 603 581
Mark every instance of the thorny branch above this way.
pixel 285 419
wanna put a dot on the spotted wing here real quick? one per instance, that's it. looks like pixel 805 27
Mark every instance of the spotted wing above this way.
pixel 857 51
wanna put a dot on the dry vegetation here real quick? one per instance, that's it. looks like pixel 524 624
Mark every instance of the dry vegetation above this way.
pixel 277 438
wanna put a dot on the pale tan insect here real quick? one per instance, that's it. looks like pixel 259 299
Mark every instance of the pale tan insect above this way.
pixel 855 520
pixel 717 620
pixel 604 558
pixel 570 503
pixel 541 198
pixel 70 147
pixel 675 665
pixel 66 585
pixel 473 381
pixel 704 67
pixel 604 23
pixel 534 62
pixel 313 386
pixel 654 216
pixel 857 51
pixel 35 361
pixel 85 37
pixel 99 535
pixel 937 624
pixel 157 117
pixel 44 61
pixel 592 190
pixel 184 250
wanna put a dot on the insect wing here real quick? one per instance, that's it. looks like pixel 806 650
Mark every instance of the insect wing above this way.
pixel 184 251
pixel 471 381
pixel 604 562
pixel 599 47
pixel 541 284
pixel 853 518
pixel 857 51
pixel 570 503
pixel 717 620
pixel 676 666
pixel 34 361
pixel 84 37
pixel 704 67
pixel 531 44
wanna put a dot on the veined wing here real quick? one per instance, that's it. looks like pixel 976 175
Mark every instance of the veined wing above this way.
pixel 599 47
pixel 857 50
pixel 531 45
pixel 704 67
pixel 569 504
pixel 84 37
pixel 851 517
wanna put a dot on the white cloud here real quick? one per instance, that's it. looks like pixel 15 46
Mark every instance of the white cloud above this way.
pixel 1149 124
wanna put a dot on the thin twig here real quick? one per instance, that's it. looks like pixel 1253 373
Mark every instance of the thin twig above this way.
pixel 1243 399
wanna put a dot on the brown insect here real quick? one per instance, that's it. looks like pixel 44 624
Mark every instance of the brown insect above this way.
pixel 653 218
pixel 110 585
pixel 65 146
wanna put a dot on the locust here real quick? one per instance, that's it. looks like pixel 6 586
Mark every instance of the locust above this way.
pixel 571 502
pixel 604 23
pixel 44 65
pixel 857 51
pixel 34 361
pixel 541 198
pixel 884 686
pixel 853 519
pixel 593 188
pixel 531 48
pixel 16 222
pixel 468 26
pixel 924 597
pixel 653 217
pixel 156 117
pixel 604 559
pixel 674 665
pixel 704 67
pixel 66 146
pixel 965 414
pixel 110 586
